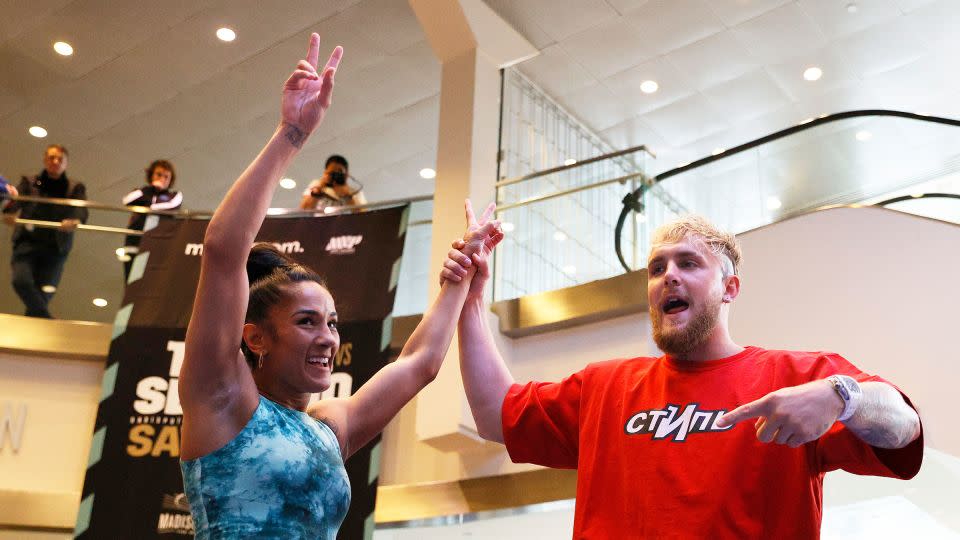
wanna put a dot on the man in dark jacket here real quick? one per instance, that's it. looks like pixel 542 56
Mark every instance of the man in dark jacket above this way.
pixel 156 195
pixel 39 253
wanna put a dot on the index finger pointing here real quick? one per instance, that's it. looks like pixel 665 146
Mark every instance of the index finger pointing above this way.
pixel 313 50
pixel 747 410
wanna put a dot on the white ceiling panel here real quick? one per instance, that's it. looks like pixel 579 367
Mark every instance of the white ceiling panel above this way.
pixel 910 5
pixel 96 39
pixel 936 23
pixel 388 23
pixel 715 59
pixel 606 108
pixel 747 96
pixel 22 16
pixel 634 132
pixel 837 72
pixel 561 19
pixel 780 34
pixel 686 120
pixel 836 21
pixel 610 47
pixel 881 48
pixel 529 27
pixel 556 72
pixel 670 24
pixel 626 84
pixel 734 12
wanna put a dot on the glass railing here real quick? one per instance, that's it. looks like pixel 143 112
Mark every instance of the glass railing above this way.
pixel 857 157
pixel 558 223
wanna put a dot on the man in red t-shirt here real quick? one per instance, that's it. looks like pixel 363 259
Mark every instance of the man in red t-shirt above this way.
pixel 662 446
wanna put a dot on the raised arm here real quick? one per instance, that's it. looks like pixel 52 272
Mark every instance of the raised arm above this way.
pixel 367 412
pixel 214 378
pixel 486 378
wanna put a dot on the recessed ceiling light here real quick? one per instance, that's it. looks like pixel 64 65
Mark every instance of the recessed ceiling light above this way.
pixel 569 270
pixel 428 173
pixel 649 87
pixel 37 132
pixel 99 302
pixel 773 203
pixel 641 218
pixel 813 73
pixel 288 183
pixel 226 34
pixel 863 135
pixel 559 236
pixel 718 151
pixel 63 48
pixel 852 7
pixel 506 226
pixel 569 161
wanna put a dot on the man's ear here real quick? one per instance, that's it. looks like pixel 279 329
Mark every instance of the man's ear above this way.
pixel 254 337
pixel 731 289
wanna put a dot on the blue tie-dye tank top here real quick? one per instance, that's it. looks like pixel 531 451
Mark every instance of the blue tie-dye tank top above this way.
pixel 282 476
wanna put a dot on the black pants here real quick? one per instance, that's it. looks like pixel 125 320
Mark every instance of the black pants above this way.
pixel 35 266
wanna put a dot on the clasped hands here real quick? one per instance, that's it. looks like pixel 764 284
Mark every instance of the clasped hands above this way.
pixel 471 252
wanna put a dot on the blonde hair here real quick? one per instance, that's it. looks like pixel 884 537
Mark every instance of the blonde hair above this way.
pixel 722 244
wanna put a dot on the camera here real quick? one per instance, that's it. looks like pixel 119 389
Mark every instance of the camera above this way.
pixel 338 178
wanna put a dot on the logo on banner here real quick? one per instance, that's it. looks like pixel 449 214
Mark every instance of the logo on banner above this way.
pixel 196 250
pixel 155 428
pixel 175 518
pixel 344 245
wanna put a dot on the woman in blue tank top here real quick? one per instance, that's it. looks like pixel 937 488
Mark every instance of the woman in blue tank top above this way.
pixel 258 460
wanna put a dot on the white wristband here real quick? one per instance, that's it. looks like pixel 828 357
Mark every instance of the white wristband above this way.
pixel 849 391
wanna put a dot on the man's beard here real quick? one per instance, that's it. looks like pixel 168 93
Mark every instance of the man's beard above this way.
pixel 678 342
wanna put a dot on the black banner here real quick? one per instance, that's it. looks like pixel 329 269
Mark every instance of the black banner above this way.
pixel 133 486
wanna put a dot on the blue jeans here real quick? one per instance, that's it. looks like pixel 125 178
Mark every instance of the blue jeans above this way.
pixel 33 267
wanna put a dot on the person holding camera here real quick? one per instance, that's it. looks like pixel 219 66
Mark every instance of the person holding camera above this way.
pixel 333 189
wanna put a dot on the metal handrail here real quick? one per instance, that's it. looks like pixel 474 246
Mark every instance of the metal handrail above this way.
pixel 915 197
pixel 631 201
pixel 580 163
pixel 186 214
pixel 531 200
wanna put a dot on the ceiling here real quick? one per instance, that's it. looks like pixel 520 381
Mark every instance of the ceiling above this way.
pixel 150 80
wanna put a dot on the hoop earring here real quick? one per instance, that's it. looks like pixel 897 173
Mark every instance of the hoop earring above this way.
pixel 260 363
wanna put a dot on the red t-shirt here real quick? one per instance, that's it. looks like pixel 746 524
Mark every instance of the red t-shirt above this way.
pixel 652 464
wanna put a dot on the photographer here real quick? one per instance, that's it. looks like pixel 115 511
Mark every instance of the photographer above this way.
pixel 334 188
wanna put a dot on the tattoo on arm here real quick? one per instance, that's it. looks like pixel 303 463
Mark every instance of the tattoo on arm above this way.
pixel 294 135
pixel 884 420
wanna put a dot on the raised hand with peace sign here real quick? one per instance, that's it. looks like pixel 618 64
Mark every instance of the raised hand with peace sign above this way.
pixel 308 94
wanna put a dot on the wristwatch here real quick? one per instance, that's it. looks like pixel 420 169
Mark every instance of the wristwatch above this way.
pixel 849 391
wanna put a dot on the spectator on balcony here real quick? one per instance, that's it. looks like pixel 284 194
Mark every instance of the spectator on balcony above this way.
pixel 157 194
pixel 333 188
pixel 39 253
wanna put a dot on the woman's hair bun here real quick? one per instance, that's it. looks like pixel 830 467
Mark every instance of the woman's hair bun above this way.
pixel 264 258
